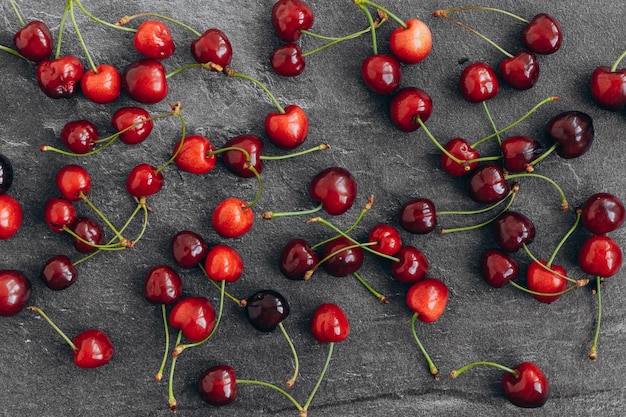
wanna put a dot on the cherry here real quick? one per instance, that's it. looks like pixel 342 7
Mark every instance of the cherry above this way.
pixel 498 268
pixel 287 60
pixel 15 291
pixel 542 34
pixel 341 257
pixel 58 273
pixel 188 248
pixel 101 84
pixel 418 215
pixel 79 136
pixel 34 41
pixel 287 129
pixel 60 77
pixel 290 17
pixel 138 118
pixel 412 265
pixel 266 309
pixel 528 387
pixel 335 188
pixel 600 256
pixel 387 238
pixel 608 87
pixel 223 263
pixel 461 149
pixel 428 298
pixel 237 161
pixel 478 82
pixel 73 181
pixel 520 71
pixel 546 281
pixel 232 218
pixel 144 180
pixel 194 154
pixel 330 324
pixel 512 230
pixel 518 153
pixel 212 46
pixel 412 43
pixel 90 234
pixel 6 174
pixel 488 184
pixel 218 385
pixel 602 213
pixel 145 81
pixel 162 285
pixel 11 216
pixel 573 133
pixel 59 213
pixel 381 73
pixel 296 259
pixel 153 39
pixel 408 104
pixel 194 316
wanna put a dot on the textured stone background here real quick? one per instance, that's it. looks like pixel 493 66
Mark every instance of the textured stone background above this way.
pixel 379 369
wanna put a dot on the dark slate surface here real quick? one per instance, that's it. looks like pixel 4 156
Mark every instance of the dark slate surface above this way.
pixel 379 369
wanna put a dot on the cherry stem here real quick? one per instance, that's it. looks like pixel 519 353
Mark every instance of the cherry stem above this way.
pixel 543 294
pixel 547 267
pixel 176 110
pixel 458 9
pixel 296 361
pixel 120 23
pixel 66 10
pixel 237 301
pixel 257 197
pixel 565 237
pixel 108 246
pixel 381 297
pixel 593 352
pixel 17 13
pixel 274 387
pixel 617 61
pixel 383 10
pixel 365 209
pixel 465 164
pixel 232 73
pixel 431 365
pixel 321 147
pixel 372 29
pixel 544 155
pixel 493 124
pixel 54 326
pixel 98 20
pixel 311 271
pixel 459 371
pixel 14 52
pixel 102 216
pixel 171 400
pixel 329 355
pixel 564 203
pixel 159 374
pixel 80 37
pixel 271 214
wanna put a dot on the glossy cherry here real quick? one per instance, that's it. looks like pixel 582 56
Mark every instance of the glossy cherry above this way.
pixel 139 118
pixel 330 324
pixel 93 349
pixel 6 174
pixel 212 46
pixel 602 213
pixel 520 71
pixel 461 149
pixel 346 259
pixel 232 218
pixel 188 248
pixel 600 256
pixel 144 180
pixel 34 41
pixel 237 161
pixel 387 238
pixel 288 129
pixel 428 298
pixel 162 285
pixel 79 136
pixel 266 309
pixel 335 188
pixel 478 82
pixel 381 73
pixel 218 385
pixel 497 268
pixel 411 267
pixel 58 273
pixel 153 39
pixel 15 291
pixel 194 154
pixel 223 263
pixel 59 213
pixel 546 281
pixel 194 316
pixel 542 35
pixel 11 216
pixel 528 388
pixel 418 215
pixel 287 60
pixel 573 131
pixel 411 44
pixel 407 105
pixel 145 81
pixel 512 230
pixel 487 184
pixel 608 87
pixel 101 85
pixel 296 259
pixel 90 231
pixel 73 181
pixel 518 152
pixel 289 17
pixel 60 77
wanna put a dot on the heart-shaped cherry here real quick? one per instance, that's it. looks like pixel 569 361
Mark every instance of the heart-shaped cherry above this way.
pixel 101 84
pixel 145 81
pixel 608 87
pixel 488 184
pixel 512 230
pixel 602 213
pixel 330 324
pixel 212 46
pixel 287 129
pixel 59 272
pixel 223 263
pixel 59 213
pixel 194 154
pixel 408 104
pixel 542 35
pixel 387 238
pixel 287 60
pixel 73 181
pixel 335 188
pixel 194 316
pixel 79 136
pixel 11 216
pixel 296 259
pixel 133 123
pixel 478 82
pixel 381 73
pixel 218 385
pixel 418 215
pixel 188 248
pixel 546 281
pixel 15 291
pixel 60 77
pixel 237 161
pixel 232 218
pixel 412 42
pixel 153 39
pixel 572 131
pixel 6 174
pixel 290 17
pixel 412 265
pixel 34 41
pixel 266 309
pixel 462 150
pixel 600 256
pixel 498 268
pixel 144 180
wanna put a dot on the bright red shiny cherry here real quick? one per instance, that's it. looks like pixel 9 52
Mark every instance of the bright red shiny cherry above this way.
pixel 188 248
pixel 223 263
pixel 602 213
pixel 330 324
pixel 478 82
pixel 232 218
pixel 608 88
pixel 93 349
pixel 600 256
pixel 237 161
pixel 73 181
pixel 296 259
pixel 529 388
pixel 412 267
pixel 418 215
pixel 102 85
pixel 335 188
pixel 407 105
pixel 89 231
pixel 573 131
pixel 428 298
pixel 194 317
pixel 15 291
pixel 59 272
pixel 266 309
pixel 79 136
pixel 546 281
pixel 498 268
pixel 145 81
pixel 289 17
pixel 520 71
pixel 212 46
pixel 462 150
pixel 287 60
pixel 6 174
pixel 59 213
pixel 487 184
pixel 162 285
pixel 381 73
pixel 60 77
pixel 387 238
pixel 195 155
pixel 11 216
pixel 144 180
pixel 512 230
pixel 153 39
pixel 34 41
pixel 412 44
pixel 518 152
pixel 542 34
pixel 138 118
pixel 287 130
pixel 346 259
pixel 218 385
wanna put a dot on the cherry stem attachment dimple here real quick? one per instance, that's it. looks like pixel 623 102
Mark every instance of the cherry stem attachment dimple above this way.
pixel 593 351
pixel 379 296
pixel 54 326
pixel 296 362
pixel 459 371
pixel 431 365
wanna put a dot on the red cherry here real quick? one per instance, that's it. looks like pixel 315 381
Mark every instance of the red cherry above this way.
pixel 73 181
pixel 59 213
pixel 573 131
pixel 529 388
pixel 144 180
pixel 102 85
pixel 89 231
pixel 335 188
pixel 194 317
pixel 237 162
pixel 296 259
pixel 10 216
pixel 232 218
pixel 188 248
pixel 58 273
pixel 223 263
pixel 287 130
pixel 542 35
pixel 266 309
pixel 478 82
pixel 518 152
pixel 194 155
pixel 545 281
pixel 462 150
pixel 145 81
pixel 93 349
pixel 411 44
pixel 330 324
pixel 34 41
pixel 345 261
pixel 608 88
pixel 407 105
pixel 418 215
pixel 162 285
pixel 6 174
pixel 412 267
pixel 60 77
pixel 212 46
pixel 520 71
pixel 498 268
pixel 487 184
pixel 387 238
pixel 428 299
pixel 287 60
pixel 512 230
pixel 15 290
pixel 153 39
pixel 381 73
pixel 289 17
pixel 602 213
pixel 137 117
pixel 218 385
pixel 79 136
pixel 600 256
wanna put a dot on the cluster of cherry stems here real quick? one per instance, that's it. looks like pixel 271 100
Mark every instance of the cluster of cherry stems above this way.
pixel 491 181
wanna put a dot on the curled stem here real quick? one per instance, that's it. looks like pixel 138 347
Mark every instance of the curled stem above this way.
pixel 459 371
pixel 431 365
pixel 296 362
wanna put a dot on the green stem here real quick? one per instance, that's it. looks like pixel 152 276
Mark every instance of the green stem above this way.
pixel 108 246
pixel 331 346
pixel 218 286
pixel 294 354
pixel 381 297
pixel 542 294
pixel 365 209
pixel 593 352
pixel 101 215
pixel 176 111
pixel 311 271
pixel 100 21
pixel 182 68
pixel 14 52
pixel 272 386
pixel 545 266
pixel 159 374
pixel 171 399
pixel 235 74
pixel 17 13
pixel 459 371
pixel 564 239
pixel 54 326
pixel 564 203
pixel 372 29
pixel 80 38
pixel 514 189
pixel 431 365
pixel 438 145
pixel 257 197
pixel 68 6
pixel 127 19
pixel 504 12
pixel 617 61
pixel 382 9
pixel 336 40
pixel 493 124
pixel 321 147
pixel 272 214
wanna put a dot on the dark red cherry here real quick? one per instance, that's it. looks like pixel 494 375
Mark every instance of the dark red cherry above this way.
pixel 529 388
pixel 218 385
pixel 153 39
pixel 188 248
pixel 59 213
pixel 518 152
pixel 287 60
pixel 330 324
pixel 335 188
pixel 60 77
pixel 15 290
pixel 6 174
pixel 412 267
pixel 212 46
pixel 79 136
pixel 162 285
pixel 407 105
pixel 602 213
pixel 89 231
pixel 144 180
pixel 296 259
pixel 93 349
pixel 266 309
pixel 498 268
pixel 145 81
pixel 608 88
pixel 232 218
pixel 478 82
pixel 387 238
pixel 512 230
pixel 381 73
pixel 59 272
pixel 542 280
pixel 237 162
pixel 346 259
pixel 521 71
pixel 195 155
pixel 418 215
pixel 542 35
pixel 487 184
pixel 11 216
pixel 461 149
pixel 73 181
pixel 573 131
pixel 139 118
pixel 101 85
pixel 34 41
pixel 289 17
pixel 194 317
pixel 600 256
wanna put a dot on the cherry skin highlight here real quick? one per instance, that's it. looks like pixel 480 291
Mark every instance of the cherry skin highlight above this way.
pixel 487 184
pixel 93 349
pixel 573 131
pixel 11 216
pixel 223 263
pixel 412 44
pixel 90 231
pixel 497 268
pixel 6 174
pixel 188 248
pixel 287 60
pixel 530 389
pixel 15 291
pixel 512 230
pixel 600 256
pixel 407 104
pixel 387 238
pixel 134 116
pixel 195 155
pixel 59 273
pixel 462 150
pixel 381 73
pixel 287 130
pixel 101 85
pixel 194 317
pixel 289 17
pixel 218 385
pixel 418 215
pixel 602 213
pixel 59 213
pixel 232 218
pixel 144 180
pixel 544 281
pixel 344 262
pixel 153 39
pixel 34 41
pixel 60 77
pixel 296 259
pixel 266 309
pixel 428 298
pixel 335 188
pixel 162 285
pixel 521 71
pixel 608 88
pixel 212 46
pixel 237 162
pixel 412 267
pixel 330 324
pixel 73 181
pixel 542 35
pixel 145 81
pixel 79 136
pixel 478 82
